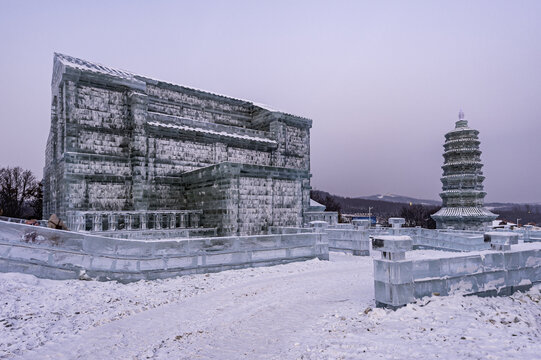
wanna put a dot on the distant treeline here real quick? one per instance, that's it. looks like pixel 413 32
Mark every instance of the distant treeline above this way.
pixel 525 212
pixel 417 214
pixel 349 205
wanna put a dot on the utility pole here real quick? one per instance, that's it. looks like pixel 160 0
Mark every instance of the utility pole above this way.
pixel 370 216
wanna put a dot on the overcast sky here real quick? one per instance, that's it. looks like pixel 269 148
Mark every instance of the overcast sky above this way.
pixel 383 81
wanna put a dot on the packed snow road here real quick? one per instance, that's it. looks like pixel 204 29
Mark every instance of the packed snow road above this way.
pixel 312 310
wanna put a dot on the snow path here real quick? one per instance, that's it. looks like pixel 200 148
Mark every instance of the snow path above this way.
pixel 306 310
pixel 233 322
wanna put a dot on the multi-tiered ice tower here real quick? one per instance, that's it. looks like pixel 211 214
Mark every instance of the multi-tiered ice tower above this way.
pixel 462 181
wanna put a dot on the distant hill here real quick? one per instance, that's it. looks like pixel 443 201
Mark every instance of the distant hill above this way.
pixel 350 205
pixel 503 206
pixel 401 199
pixel 407 200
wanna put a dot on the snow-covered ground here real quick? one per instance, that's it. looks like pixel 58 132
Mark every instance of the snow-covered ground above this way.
pixel 308 310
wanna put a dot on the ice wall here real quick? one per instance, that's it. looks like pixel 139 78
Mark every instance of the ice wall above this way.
pixel 58 254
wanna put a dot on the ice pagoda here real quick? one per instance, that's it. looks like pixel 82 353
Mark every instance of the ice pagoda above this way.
pixel 462 180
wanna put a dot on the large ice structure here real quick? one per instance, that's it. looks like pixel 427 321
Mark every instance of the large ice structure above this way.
pixel 131 153
pixel 462 181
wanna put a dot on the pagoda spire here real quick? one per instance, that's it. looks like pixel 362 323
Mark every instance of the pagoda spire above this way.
pixel 461 121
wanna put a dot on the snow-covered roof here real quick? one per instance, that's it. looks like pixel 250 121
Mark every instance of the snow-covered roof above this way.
pixel 314 203
pixel 464 212
pixel 461 176
pixel 465 149
pixel 94 67
pixel 462 191
pixel 463 139
pixel 462 129
pixel 316 207
pixel 463 163
pixel 210 132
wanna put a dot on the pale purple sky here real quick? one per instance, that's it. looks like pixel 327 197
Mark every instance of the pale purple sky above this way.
pixel 382 80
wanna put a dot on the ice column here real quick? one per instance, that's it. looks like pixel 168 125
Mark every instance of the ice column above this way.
pixel 143 221
pixel 129 221
pixel 527 232
pixel 97 223
pixel 393 274
pixel 360 224
pixel 157 221
pixel 113 221
pixel 172 220
pixel 397 224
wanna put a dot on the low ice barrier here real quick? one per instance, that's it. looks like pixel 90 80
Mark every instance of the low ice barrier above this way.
pixel 502 271
pixel 531 235
pixel 288 230
pixel 352 241
pixel 453 240
pixel 58 254
pixel 447 239
pixel 347 238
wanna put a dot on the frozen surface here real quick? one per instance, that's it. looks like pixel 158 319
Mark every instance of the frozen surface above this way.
pixel 434 254
pixel 311 310
pixel 452 327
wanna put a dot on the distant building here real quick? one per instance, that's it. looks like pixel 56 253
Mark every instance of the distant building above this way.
pixel 360 216
pixel 316 212
pixel 372 219
pixel 129 151
pixel 315 206
pixel 462 195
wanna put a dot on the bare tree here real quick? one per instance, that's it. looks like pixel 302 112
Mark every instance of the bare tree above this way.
pixel 17 188
pixel 36 204
pixel 419 215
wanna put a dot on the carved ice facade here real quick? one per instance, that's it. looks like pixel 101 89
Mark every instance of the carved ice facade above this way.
pixel 128 145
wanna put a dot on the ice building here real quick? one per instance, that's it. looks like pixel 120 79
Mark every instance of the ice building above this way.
pixel 462 180
pixel 317 212
pixel 129 152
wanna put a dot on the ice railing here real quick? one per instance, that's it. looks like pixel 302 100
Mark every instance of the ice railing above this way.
pixel 529 234
pixel 42 223
pixel 450 239
pixel 525 233
pixel 97 221
pixel 454 240
pixel 502 270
